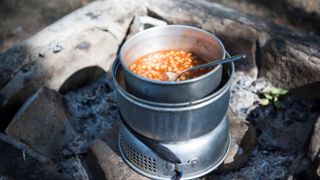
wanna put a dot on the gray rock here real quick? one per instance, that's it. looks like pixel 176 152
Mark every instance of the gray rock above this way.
pixel 314 148
pixel 141 23
pixel 110 165
pixel 295 14
pixel 290 66
pixel 17 161
pixel 259 85
pixel 43 124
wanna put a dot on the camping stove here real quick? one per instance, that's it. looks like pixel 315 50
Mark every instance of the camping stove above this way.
pixel 199 132
pixel 198 156
pixel 173 139
pixel 199 141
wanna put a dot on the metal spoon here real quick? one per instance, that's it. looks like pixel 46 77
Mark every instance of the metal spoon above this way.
pixel 174 76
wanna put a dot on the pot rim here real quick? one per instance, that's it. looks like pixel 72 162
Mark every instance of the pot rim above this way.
pixel 169 82
pixel 173 108
pixel 141 101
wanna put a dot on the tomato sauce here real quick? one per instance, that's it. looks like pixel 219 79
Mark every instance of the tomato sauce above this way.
pixel 156 64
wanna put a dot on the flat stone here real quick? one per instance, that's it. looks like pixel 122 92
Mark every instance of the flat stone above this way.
pixel 43 124
pixel 17 161
pixel 243 142
pixel 289 66
pixel 104 163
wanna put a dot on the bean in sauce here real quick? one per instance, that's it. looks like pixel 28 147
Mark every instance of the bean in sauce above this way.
pixel 156 64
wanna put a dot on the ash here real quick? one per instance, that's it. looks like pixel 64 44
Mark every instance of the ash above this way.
pixel 73 167
pixel 262 165
pixel 94 109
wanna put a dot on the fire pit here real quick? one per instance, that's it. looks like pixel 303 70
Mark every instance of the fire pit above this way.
pixel 165 140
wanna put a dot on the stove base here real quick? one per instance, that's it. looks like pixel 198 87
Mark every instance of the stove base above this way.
pixel 198 156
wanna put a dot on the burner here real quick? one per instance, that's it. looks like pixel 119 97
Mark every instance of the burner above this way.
pixel 198 156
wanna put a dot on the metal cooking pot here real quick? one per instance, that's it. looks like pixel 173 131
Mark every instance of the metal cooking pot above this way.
pixel 172 122
pixel 172 37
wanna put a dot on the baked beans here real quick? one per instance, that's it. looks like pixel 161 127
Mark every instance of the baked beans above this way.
pixel 156 64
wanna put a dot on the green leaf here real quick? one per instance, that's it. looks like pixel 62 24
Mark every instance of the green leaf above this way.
pixel 268 96
pixel 278 91
pixel 283 92
pixel 275 90
pixel 264 102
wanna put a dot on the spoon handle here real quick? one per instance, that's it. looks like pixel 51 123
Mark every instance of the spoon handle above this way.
pixel 213 63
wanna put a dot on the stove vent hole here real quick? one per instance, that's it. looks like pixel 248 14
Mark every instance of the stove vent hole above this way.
pixel 139 159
